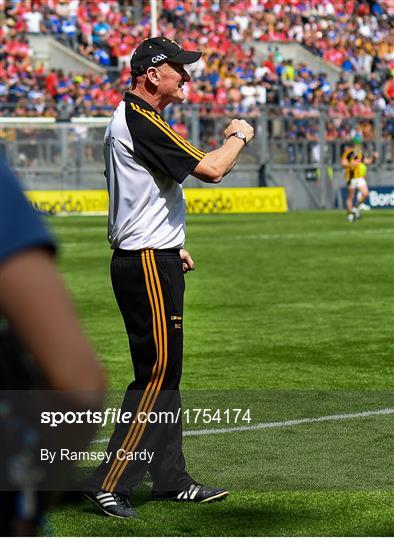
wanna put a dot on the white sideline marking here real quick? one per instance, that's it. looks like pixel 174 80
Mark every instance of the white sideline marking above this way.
pixel 382 232
pixel 284 423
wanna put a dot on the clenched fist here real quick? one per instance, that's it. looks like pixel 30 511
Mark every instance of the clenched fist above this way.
pixel 240 125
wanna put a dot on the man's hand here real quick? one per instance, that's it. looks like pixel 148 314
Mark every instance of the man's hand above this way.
pixel 188 263
pixel 216 164
pixel 240 125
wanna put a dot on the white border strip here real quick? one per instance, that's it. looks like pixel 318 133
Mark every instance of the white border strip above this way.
pixel 91 120
pixel 27 120
pixel 285 423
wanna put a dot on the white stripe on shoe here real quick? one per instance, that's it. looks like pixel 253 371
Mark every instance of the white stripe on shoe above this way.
pixel 103 496
pixel 111 500
pixel 195 491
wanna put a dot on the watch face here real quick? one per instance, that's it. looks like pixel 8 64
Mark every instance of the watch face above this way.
pixel 239 135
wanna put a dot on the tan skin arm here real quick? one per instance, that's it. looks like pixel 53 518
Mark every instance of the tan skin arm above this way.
pixel 372 159
pixel 219 162
pixel 352 163
pixel 34 301
pixel 355 162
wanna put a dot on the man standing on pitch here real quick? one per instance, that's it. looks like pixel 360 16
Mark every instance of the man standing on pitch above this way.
pixel 146 163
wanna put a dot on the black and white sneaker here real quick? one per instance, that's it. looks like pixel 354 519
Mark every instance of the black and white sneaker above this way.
pixel 112 504
pixel 194 493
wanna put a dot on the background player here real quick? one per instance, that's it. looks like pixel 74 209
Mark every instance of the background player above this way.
pixel 355 164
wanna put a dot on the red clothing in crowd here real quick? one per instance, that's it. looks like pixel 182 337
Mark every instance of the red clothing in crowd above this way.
pixel 269 64
pixel 389 88
pixel 16 48
pixel 51 82
pixel 335 55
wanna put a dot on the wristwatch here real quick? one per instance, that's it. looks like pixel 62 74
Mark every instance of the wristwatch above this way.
pixel 239 135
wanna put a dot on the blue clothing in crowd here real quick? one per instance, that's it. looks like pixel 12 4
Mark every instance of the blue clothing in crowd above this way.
pixel 20 225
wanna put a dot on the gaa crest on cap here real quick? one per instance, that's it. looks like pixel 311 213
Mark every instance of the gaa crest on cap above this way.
pixel 154 51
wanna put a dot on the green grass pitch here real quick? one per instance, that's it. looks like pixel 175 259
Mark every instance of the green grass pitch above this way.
pixel 292 316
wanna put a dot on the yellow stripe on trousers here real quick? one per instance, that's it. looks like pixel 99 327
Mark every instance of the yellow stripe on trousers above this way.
pixel 157 336
pixel 150 395
pixel 152 390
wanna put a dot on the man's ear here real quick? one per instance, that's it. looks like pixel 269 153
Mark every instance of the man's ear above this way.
pixel 153 76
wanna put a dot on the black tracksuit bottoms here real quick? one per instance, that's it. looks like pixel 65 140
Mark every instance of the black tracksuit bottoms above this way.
pixel 149 287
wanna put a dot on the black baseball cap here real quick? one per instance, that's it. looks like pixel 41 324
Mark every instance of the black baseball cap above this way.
pixel 156 50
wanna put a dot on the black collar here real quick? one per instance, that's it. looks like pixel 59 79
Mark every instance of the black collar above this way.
pixel 129 97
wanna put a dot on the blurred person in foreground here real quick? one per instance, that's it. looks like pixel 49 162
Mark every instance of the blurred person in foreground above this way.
pixel 355 164
pixel 146 163
pixel 37 308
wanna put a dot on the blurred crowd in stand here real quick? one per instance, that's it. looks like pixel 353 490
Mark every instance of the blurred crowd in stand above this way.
pixel 356 36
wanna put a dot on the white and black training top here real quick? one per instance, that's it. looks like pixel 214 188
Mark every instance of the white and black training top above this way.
pixel 146 161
